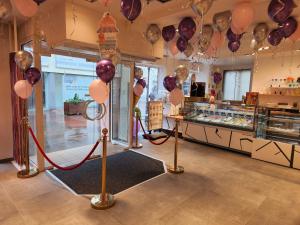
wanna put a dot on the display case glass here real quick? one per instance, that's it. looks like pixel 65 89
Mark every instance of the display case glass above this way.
pixel 223 114
pixel 279 124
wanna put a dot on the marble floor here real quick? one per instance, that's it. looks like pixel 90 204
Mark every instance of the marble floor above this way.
pixel 217 188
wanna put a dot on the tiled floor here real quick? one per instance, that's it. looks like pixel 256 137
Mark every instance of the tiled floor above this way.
pixel 217 188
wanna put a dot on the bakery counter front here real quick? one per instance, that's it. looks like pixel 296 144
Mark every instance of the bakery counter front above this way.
pixel 222 125
pixel 264 133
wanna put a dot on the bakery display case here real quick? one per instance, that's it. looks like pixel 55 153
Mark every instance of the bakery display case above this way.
pixel 279 124
pixel 223 115
pixel 277 135
pixel 224 125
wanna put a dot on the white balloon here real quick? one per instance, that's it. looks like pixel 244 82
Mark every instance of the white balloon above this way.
pixel 23 89
pixel 99 91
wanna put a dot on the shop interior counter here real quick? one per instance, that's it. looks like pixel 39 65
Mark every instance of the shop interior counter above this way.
pixel 222 125
pixel 278 135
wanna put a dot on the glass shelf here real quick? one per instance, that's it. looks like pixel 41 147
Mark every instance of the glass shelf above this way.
pixel 223 115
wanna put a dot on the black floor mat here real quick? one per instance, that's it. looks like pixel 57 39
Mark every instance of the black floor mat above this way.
pixel 124 170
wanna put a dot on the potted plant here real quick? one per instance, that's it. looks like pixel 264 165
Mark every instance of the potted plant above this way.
pixel 74 106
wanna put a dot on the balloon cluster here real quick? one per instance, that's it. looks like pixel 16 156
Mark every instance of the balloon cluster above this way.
pixel 186 29
pixel 171 84
pixel 98 89
pixel 242 17
pixel 280 12
pixel 32 75
pixel 139 86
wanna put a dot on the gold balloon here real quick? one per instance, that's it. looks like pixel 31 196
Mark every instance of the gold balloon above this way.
pixel 201 7
pixel 138 73
pixel 260 32
pixel 153 33
pixel 222 20
pixel 23 59
pixel 181 73
pixel 205 37
pixel 207 31
pixel 189 50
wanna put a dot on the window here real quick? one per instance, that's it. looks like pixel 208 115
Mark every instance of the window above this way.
pixel 150 75
pixel 236 84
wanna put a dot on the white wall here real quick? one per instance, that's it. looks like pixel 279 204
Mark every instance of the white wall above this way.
pixel 269 67
pixel 6 138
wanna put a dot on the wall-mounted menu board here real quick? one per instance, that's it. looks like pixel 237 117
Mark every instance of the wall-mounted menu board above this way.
pixel 155 114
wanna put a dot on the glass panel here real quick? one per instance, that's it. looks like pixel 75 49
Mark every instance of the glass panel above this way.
pixel 236 84
pixel 68 136
pixel 120 102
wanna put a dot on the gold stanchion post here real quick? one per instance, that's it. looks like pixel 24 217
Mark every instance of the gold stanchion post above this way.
pixel 176 169
pixel 137 145
pixel 104 200
pixel 27 172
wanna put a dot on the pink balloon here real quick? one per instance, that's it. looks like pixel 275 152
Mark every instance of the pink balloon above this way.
pixel 27 8
pixel 242 15
pixel 23 89
pixel 296 36
pixel 99 91
pixel 176 96
pixel 138 90
pixel 173 47
pixel 236 30
pixel 217 40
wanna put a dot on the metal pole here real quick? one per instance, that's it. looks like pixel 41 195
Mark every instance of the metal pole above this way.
pixel 137 120
pixel 175 168
pixel 27 172
pixel 104 200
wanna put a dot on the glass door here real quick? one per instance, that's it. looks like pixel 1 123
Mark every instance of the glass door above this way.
pixel 121 104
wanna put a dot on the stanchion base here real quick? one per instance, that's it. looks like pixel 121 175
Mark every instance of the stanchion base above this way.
pixel 137 146
pixel 96 202
pixel 177 170
pixel 27 174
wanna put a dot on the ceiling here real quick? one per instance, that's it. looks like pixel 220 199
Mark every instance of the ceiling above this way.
pixel 172 12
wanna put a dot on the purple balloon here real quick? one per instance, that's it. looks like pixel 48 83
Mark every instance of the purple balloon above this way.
pixel 32 75
pixel 217 77
pixel 280 10
pixel 131 9
pixel 275 37
pixel 182 44
pixel 232 36
pixel 170 83
pixel 289 27
pixel 142 82
pixel 168 33
pixel 234 45
pixel 187 28
pixel 105 70
pixel 39 1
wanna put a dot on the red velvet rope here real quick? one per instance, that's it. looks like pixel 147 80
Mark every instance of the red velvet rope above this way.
pixel 53 163
pixel 152 142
